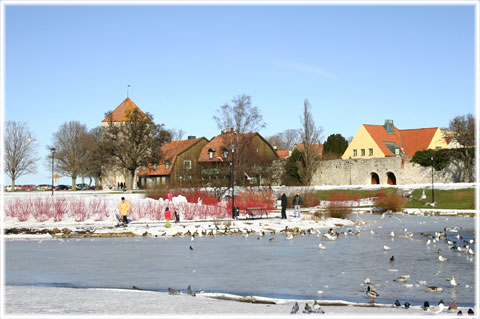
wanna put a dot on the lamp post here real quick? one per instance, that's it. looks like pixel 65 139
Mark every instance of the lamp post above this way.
pixel 53 157
pixel 433 191
pixel 232 147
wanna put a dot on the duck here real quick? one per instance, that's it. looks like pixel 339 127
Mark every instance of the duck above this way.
pixel 470 312
pixel 453 306
pixel 397 303
pixel 432 289
pixel 406 304
pixel 402 278
pixel 392 259
pixel 426 305
pixel 307 308
pixel 371 293
pixel 294 308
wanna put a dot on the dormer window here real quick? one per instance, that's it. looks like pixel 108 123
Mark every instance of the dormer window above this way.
pixel 225 153
pixel 211 153
pixel 397 151
pixel 167 164
pixel 155 166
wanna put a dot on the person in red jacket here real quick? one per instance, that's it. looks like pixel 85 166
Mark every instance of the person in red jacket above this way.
pixel 168 216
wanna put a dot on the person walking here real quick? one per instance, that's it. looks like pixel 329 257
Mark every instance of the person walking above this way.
pixel 284 206
pixel 297 201
pixel 124 207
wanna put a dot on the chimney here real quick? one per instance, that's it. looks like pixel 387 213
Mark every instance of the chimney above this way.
pixel 389 127
pixel 191 137
pixel 227 130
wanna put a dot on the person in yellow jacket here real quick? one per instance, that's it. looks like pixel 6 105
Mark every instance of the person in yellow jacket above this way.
pixel 124 207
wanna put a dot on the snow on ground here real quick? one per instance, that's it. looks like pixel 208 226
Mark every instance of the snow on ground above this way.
pixel 118 302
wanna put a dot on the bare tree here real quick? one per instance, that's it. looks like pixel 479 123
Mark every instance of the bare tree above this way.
pixel 133 143
pixel 96 156
pixel 20 150
pixel 284 140
pixel 310 136
pixel 241 116
pixel 72 144
pixel 462 129
pixel 177 134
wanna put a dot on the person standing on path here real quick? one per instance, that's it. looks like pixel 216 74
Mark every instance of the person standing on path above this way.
pixel 297 201
pixel 284 206
pixel 124 207
pixel 168 216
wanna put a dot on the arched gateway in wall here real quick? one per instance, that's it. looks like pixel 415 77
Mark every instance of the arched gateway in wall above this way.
pixel 374 178
pixel 391 179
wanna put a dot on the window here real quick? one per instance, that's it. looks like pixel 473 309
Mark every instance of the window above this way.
pixel 363 152
pixel 397 151
pixel 370 151
pixel 187 164
pixel 225 154
pixel 210 154
pixel 167 164
pixel 355 152
pixel 256 150
pixel 155 166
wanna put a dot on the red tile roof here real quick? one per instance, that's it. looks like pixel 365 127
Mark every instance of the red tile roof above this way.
pixel 380 135
pixel 120 114
pixel 170 152
pixel 283 154
pixel 409 141
pixel 222 143
pixel 417 139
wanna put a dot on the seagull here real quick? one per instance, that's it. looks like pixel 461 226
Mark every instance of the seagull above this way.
pixel 317 308
pixel 437 309
pixel 471 252
pixel 441 258
pixel 192 238
pixel 248 177
pixel 294 308
pixel 308 309
pixel 423 195
pixel 397 303
pixel 453 306
pixel 367 281
pixel 290 237
pixel 429 242
pixel 372 232
pixel 320 246
pixel 386 247
pixel 453 282
pixel 392 234
pixel 371 293
pixel 190 291
pixel 426 305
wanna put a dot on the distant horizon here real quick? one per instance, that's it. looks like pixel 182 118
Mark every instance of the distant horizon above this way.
pixel 356 64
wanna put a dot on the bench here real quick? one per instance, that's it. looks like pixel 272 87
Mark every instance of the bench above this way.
pixel 255 211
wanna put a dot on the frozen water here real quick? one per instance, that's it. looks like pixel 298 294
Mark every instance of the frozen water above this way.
pixel 283 268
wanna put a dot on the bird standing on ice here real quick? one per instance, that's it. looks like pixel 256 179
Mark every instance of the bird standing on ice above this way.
pixel 371 293
pixel 386 247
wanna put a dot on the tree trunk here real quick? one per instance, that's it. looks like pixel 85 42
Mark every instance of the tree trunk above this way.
pixel 13 184
pixel 130 179
pixel 74 183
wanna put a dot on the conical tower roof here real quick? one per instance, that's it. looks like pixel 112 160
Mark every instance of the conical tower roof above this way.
pixel 120 114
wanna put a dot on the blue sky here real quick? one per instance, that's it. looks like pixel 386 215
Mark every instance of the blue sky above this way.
pixel 356 64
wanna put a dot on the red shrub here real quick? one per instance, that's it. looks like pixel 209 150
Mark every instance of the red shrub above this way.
pixel 42 209
pixel 79 210
pixel 59 209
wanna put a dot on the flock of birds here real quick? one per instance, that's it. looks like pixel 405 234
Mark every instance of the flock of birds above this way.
pixel 457 244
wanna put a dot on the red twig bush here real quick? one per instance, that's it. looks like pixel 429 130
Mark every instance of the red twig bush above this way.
pixel 339 206
pixel 393 202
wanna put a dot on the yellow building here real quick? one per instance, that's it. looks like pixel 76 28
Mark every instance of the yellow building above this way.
pixel 373 141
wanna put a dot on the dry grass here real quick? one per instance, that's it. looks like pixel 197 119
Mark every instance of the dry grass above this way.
pixel 393 202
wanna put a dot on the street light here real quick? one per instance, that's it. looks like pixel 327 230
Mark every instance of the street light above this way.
pixel 433 192
pixel 232 147
pixel 53 157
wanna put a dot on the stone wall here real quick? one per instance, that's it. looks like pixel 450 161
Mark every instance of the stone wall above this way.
pixel 359 172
